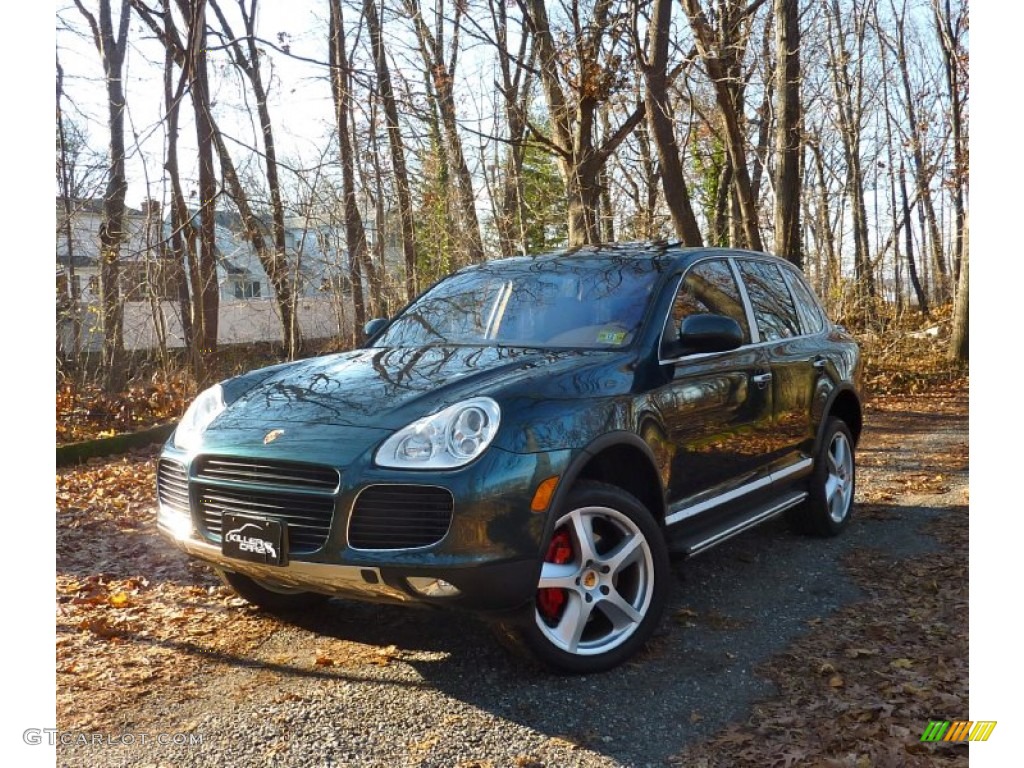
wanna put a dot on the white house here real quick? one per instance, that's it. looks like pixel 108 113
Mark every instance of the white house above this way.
pixel 316 254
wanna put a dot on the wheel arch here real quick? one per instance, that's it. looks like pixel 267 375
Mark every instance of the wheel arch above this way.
pixel 843 404
pixel 617 458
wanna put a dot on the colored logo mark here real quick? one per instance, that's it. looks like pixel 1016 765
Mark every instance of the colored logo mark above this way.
pixel 958 730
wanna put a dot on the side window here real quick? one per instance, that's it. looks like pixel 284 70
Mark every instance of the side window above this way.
pixel 708 288
pixel 773 305
pixel 807 306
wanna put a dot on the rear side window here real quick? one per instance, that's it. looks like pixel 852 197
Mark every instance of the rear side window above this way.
pixel 708 288
pixel 807 306
pixel 773 305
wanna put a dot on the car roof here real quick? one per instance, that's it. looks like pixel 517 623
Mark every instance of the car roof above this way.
pixel 663 254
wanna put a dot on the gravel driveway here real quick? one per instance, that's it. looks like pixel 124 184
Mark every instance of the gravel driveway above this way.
pixel 435 689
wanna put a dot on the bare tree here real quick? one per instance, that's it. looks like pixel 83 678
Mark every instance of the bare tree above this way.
pixel 958 345
pixel 182 246
pixel 660 121
pixel 721 49
pixel 573 104
pixel 386 93
pixel 950 28
pixel 847 36
pixel 355 232
pixel 442 69
pixel 515 57
pixel 246 56
pixel 788 131
pixel 207 297
pixel 111 47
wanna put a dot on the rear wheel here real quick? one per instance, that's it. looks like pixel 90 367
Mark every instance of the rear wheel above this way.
pixel 603 583
pixel 829 504
pixel 270 597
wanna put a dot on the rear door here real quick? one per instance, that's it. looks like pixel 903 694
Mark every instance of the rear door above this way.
pixel 794 364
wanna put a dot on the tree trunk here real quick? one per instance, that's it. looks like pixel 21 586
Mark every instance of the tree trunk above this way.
pixel 949 32
pixel 659 119
pixel 572 121
pixel 208 300
pixel 823 225
pixel 387 96
pixel 355 233
pixel 183 256
pixel 111 48
pixel 712 53
pixel 516 85
pixel 788 131
pixel 848 90
pixel 67 192
pixel 274 260
pixel 922 297
pixel 958 341
pixel 443 78
pixel 922 173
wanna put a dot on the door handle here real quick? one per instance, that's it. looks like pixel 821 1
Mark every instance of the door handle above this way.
pixel 762 378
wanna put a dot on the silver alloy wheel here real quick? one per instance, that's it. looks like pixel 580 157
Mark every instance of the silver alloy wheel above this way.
pixel 608 584
pixel 839 481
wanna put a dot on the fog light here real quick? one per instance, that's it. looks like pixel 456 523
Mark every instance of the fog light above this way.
pixel 176 522
pixel 428 586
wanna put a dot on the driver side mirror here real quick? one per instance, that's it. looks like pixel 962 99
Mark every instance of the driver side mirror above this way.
pixel 374 327
pixel 705 333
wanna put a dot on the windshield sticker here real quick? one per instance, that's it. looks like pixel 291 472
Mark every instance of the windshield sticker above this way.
pixel 611 337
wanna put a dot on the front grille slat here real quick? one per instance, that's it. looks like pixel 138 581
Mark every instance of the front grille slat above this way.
pixel 281 474
pixel 172 485
pixel 400 517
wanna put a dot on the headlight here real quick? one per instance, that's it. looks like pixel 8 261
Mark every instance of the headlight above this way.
pixel 197 418
pixel 447 439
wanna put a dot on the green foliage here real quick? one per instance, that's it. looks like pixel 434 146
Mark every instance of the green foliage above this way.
pixel 544 200
pixel 708 156
pixel 436 244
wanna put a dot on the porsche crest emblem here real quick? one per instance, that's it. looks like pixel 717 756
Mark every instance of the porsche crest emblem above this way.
pixel 272 435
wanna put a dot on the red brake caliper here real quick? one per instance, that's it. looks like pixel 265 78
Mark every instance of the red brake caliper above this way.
pixel 551 601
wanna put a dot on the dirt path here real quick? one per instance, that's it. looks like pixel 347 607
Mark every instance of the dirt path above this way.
pixel 774 645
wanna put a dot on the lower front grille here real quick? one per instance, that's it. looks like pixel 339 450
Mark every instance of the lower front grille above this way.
pixel 400 516
pixel 172 485
pixel 307 516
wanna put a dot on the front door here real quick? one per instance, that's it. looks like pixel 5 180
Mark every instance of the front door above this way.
pixel 717 407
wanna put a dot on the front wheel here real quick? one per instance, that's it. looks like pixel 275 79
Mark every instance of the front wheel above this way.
pixel 833 482
pixel 270 597
pixel 602 585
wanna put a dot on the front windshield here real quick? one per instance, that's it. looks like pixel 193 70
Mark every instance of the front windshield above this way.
pixel 586 303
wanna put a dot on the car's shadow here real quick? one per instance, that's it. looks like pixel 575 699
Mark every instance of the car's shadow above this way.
pixel 730 610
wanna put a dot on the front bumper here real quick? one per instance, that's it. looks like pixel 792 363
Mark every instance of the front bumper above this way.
pixel 491 554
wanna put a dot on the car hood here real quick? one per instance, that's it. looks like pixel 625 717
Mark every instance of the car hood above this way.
pixel 389 388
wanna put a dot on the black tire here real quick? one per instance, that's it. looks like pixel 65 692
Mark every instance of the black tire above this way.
pixel 832 486
pixel 607 574
pixel 272 599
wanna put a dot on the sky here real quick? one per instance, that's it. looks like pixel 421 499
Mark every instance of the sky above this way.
pixel 997 526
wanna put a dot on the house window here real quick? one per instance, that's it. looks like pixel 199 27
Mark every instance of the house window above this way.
pixel 247 289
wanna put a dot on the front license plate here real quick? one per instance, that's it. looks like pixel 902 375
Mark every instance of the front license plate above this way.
pixel 254 539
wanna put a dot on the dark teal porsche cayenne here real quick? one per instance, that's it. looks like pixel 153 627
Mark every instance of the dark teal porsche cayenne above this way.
pixel 528 439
